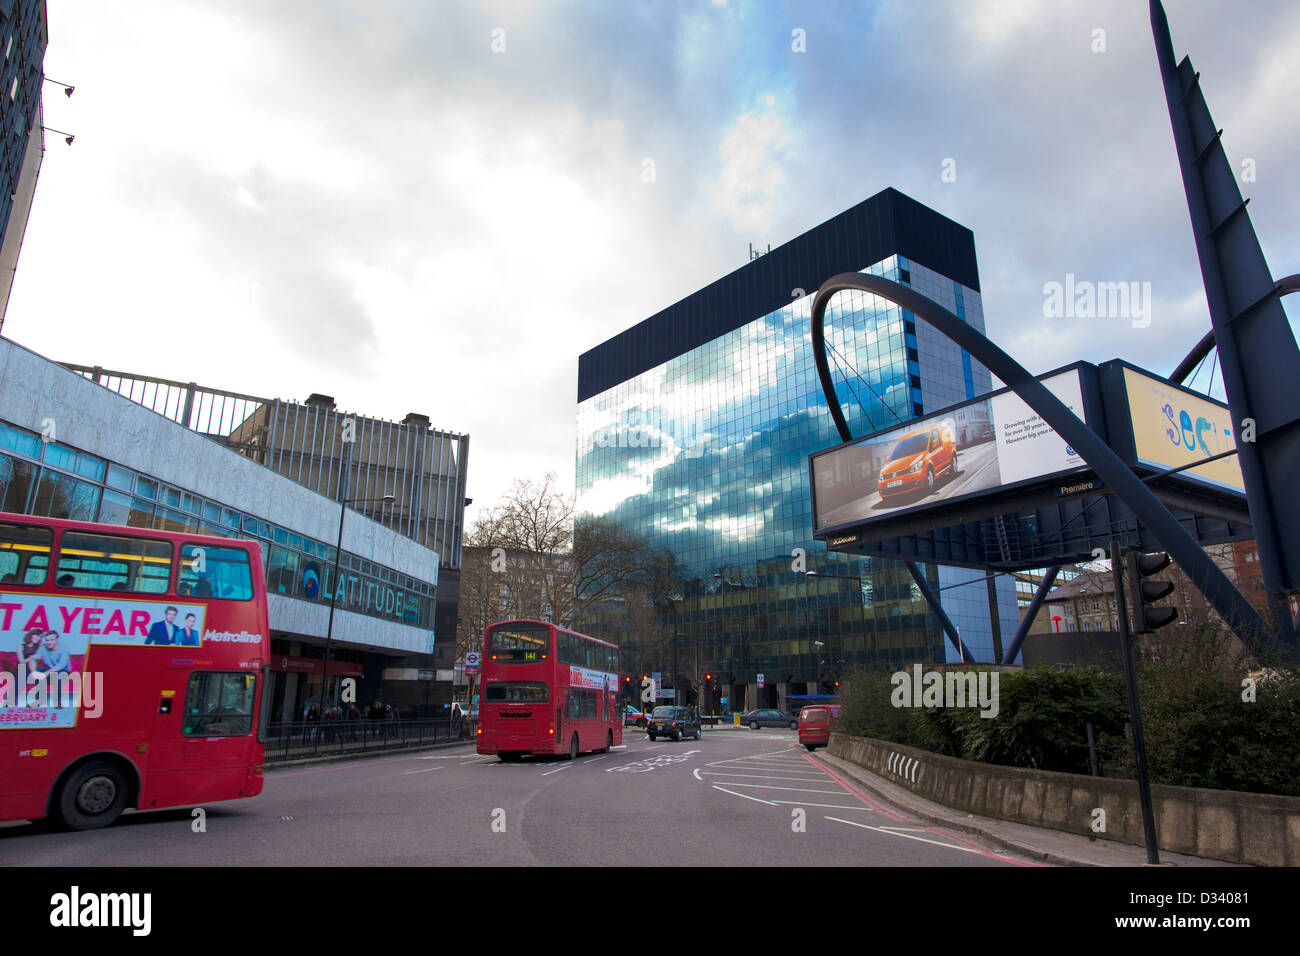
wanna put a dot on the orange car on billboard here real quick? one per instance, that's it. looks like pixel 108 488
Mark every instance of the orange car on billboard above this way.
pixel 918 460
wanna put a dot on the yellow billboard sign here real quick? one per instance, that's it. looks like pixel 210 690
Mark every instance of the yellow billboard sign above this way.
pixel 1172 427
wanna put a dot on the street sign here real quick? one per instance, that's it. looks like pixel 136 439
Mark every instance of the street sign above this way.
pixel 471 663
pixel 657 677
pixel 760 681
pixel 668 694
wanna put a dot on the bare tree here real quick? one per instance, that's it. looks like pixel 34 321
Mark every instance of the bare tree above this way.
pixel 517 562
pixel 530 558
pixel 608 564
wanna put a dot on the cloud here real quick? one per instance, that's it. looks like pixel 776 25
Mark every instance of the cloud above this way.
pixel 751 177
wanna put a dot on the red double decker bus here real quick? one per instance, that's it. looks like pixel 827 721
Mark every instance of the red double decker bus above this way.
pixel 130 668
pixel 546 690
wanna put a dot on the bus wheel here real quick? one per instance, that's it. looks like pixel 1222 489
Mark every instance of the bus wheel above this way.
pixel 93 796
pixel 510 756
pixel 609 741
pixel 573 747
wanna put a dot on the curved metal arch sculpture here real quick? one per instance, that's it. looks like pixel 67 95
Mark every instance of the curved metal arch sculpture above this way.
pixel 1283 286
pixel 1204 573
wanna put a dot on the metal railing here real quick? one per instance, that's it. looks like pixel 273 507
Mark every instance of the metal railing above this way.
pixel 297 739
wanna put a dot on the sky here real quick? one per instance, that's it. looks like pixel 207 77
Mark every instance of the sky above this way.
pixel 435 207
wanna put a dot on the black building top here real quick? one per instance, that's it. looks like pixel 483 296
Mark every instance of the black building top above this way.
pixel 888 223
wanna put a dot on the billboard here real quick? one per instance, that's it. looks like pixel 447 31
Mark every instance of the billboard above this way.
pixel 1173 427
pixel 966 450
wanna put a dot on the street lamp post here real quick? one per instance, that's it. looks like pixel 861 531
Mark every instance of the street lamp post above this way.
pixel 334 591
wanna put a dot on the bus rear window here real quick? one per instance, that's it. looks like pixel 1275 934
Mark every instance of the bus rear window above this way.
pixel 519 644
pixel 211 571
pixel 103 562
pixel 515 692
pixel 24 554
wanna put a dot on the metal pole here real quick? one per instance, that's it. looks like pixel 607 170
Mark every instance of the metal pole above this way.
pixel 334 590
pixel 1135 715
pixel 1031 612
pixel 932 600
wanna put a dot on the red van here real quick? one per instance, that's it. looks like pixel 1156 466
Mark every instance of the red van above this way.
pixel 815 724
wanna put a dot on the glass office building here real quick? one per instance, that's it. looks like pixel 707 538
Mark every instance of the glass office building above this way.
pixel 694 428
pixel 24 35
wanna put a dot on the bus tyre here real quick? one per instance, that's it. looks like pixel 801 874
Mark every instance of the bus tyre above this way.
pixel 93 796
pixel 609 741
pixel 510 756
pixel 573 747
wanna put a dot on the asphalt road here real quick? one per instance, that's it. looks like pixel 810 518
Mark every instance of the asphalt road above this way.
pixel 735 798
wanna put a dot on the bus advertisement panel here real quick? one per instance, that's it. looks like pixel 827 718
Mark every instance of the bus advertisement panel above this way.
pixel 47 640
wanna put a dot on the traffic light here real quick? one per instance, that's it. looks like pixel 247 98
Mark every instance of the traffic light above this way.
pixel 1148 617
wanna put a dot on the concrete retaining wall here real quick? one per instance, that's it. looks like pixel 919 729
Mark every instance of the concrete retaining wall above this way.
pixel 1253 828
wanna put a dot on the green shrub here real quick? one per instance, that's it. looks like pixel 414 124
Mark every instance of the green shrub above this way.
pixel 867 711
pixel 1200 733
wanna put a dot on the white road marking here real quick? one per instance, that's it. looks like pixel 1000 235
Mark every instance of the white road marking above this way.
pixel 745 795
pixel 594 759
pixel 763 786
pixel 557 770
pixel 754 766
pixel 828 806
pixel 895 831
pixel 430 770
pixel 445 757
pixel 696 772
pixel 760 776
